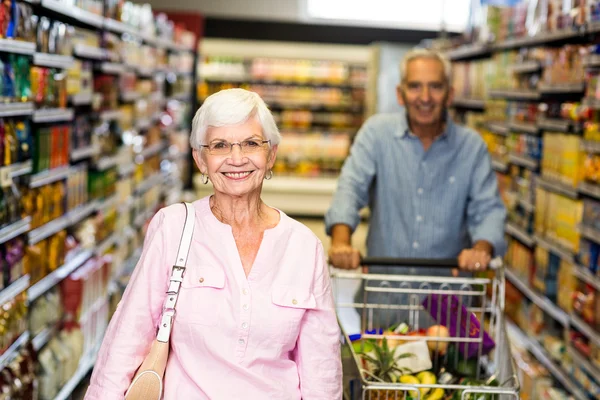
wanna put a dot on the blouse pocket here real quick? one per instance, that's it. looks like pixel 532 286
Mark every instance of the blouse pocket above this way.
pixel 200 295
pixel 290 303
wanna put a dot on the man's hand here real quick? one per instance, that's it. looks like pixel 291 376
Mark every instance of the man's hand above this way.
pixel 344 256
pixel 476 259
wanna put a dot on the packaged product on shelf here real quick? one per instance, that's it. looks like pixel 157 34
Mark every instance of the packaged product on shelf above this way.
pixel 585 301
pixel 13 321
pixel 12 253
pixel 520 260
pixel 18 378
pixel 45 312
pixel 564 65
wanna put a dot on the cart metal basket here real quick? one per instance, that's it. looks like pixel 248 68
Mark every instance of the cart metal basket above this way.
pixel 472 309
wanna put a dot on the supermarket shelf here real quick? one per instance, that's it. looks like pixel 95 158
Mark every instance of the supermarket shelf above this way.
pixel 585 329
pixel 56 276
pixel 13 350
pixel 16 109
pixel 19 169
pixel 91 52
pixel 542 356
pixel 591 60
pixel 583 361
pixel 53 115
pixel 51 176
pixel 110 115
pixel 552 124
pixel 85 366
pixel 76 13
pixel 541 301
pixel 520 234
pixel 105 204
pixel 587 276
pixel 85 152
pixel 112 68
pixel 153 180
pixel 499 166
pixel 469 51
pixel 590 189
pixel 145 72
pixel 499 128
pixel 542 38
pixel 130 96
pixel 524 161
pixel 515 94
pixel 72 217
pixel 557 187
pixel 526 127
pixel 15 288
pixel 474 104
pixel 555 248
pixel 107 162
pixel 527 206
pixel 53 60
pixel 590 233
pixel 143 123
pixel 107 243
pixel 81 99
pixel 42 338
pixel 525 67
pixel 566 88
pixel 119 27
pixel 590 146
pixel 16 46
pixel 13 230
pixel 153 150
pixel 126 169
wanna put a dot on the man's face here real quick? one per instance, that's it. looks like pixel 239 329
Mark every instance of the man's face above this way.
pixel 425 92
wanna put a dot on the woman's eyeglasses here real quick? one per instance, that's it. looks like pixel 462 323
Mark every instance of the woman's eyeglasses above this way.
pixel 223 147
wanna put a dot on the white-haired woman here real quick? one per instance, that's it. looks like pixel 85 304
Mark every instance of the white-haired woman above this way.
pixel 255 316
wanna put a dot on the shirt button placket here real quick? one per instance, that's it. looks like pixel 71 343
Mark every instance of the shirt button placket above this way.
pixel 244 323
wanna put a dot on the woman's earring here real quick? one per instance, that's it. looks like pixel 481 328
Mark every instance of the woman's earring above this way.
pixel 205 178
pixel 269 174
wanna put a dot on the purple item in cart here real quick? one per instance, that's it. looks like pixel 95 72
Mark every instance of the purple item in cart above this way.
pixel 453 304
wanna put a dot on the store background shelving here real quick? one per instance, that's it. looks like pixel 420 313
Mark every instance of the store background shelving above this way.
pixel 105 135
pixel 317 94
pixel 538 119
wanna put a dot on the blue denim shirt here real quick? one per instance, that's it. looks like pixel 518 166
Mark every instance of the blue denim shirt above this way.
pixel 423 204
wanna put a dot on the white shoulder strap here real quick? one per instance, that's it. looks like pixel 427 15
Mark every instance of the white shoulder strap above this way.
pixel 168 313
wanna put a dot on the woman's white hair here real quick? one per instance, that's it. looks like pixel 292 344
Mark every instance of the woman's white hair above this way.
pixel 417 53
pixel 232 107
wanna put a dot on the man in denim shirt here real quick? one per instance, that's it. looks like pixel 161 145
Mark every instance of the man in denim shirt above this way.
pixel 428 182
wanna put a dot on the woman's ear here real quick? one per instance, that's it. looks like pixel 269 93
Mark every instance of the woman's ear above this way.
pixel 199 161
pixel 272 156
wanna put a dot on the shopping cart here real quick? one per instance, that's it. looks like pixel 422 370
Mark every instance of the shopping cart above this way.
pixel 470 359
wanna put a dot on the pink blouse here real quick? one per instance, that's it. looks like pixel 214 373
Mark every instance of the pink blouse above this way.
pixel 273 335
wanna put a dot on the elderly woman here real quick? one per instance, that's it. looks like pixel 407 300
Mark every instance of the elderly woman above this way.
pixel 255 315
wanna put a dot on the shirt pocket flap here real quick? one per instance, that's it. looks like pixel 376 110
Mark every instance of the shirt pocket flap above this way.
pixel 204 276
pixel 293 297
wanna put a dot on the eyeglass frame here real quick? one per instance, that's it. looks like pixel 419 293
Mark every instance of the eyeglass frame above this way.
pixel 207 146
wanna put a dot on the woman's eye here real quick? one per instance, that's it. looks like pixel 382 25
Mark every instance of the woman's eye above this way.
pixel 219 145
pixel 252 143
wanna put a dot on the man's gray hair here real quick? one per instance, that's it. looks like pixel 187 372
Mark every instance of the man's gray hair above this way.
pixel 232 107
pixel 417 53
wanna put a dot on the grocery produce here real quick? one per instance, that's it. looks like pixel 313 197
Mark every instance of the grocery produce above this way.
pixel 435 345
pixel 382 362
pixel 411 380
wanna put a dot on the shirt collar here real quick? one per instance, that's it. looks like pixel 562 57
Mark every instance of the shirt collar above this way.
pixel 404 130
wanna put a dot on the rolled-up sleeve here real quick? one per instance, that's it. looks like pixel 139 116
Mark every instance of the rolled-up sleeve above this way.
pixel 318 353
pixel 486 213
pixel 133 326
pixel 352 193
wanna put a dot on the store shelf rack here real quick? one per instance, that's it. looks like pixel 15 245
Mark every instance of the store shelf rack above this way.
pixel 18 286
pixel 13 230
pixel 13 350
pixel 517 232
pixel 520 338
pixel 541 301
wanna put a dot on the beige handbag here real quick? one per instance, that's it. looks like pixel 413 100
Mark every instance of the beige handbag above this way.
pixel 148 381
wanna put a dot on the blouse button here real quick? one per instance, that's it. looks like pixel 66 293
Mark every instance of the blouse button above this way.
pixel 294 302
pixel 201 280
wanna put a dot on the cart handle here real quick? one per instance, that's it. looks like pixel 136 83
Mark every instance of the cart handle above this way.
pixel 446 263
